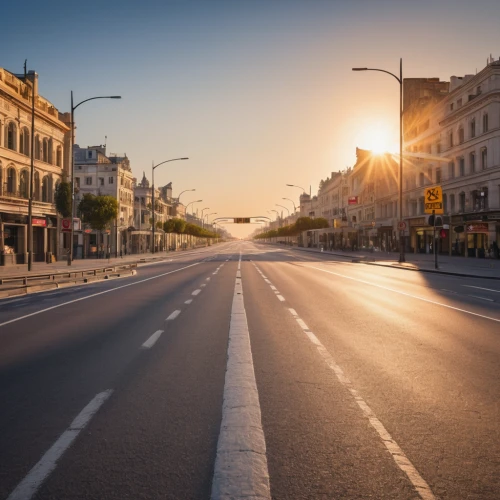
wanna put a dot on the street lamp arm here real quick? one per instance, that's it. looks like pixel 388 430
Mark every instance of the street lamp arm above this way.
pixel 376 69
pixel 100 97
pixel 166 161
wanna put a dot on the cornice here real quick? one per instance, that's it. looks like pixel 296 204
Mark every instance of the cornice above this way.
pixel 469 106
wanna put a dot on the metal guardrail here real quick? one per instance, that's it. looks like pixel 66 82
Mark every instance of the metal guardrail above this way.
pixel 26 280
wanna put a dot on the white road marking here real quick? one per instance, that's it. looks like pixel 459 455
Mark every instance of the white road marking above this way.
pixel 188 301
pixel 173 315
pixel 273 287
pixel 423 489
pixel 208 279
pixel 95 295
pixel 152 340
pixel 497 320
pixel 37 475
pixel 241 470
pixel 479 297
pixel 203 285
pixel 281 298
pixel 196 292
pixel 481 288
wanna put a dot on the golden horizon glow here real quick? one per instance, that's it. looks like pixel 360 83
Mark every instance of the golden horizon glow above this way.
pixel 377 138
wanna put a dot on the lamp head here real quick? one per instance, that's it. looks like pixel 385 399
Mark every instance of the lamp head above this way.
pixel 115 97
pixel 359 69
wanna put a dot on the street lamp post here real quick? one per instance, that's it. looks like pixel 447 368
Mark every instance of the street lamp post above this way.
pixel 400 80
pixel 283 206
pixel 190 203
pixel 294 207
pixel 185 191
pixel 202 210
pixel 310 195
pixel 153 193
pixel 73 107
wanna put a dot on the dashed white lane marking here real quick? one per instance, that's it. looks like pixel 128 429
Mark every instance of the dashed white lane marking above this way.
pixel 479 297
pixel 173 315
pixel 152 340
pixel 203 285
pixel 188 301
pixel 208 279
pixel 281 298
pixel 429 301
pixel 196 292
pixel 397 453
pixel 97 294
pixel 481 288
pixel 37 475
pixel 273 287
pixel 241 470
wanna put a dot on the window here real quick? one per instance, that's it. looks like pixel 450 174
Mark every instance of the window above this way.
pixel 461 166
pixel 77 181
pixel 473 128
pixel 480 199
pixel 36 187
pixel 452 203
pixel 484 158
pixel 89 154
pixel 11 181
pixel 23 184
pixel 45 190
pixel 11 136
pixel 421 205
pixel 472 162
pixel 450 140
pixel 478 89
pixel 45 151
pixel 59 156
pixel 438 147
pixel 438 175
pixel 451 107
pixel 110 180
pixel 421 179
pixel 88 181
pixel 37 148
pixel 429 174
pixel 24 142
pixel 485 123
pixel 461 135
pixel 445 203
pixel 101 181
pixel 451 170
pixel 459 103
pixel 461 202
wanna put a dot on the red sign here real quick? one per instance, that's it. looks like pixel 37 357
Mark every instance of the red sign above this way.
pixel 39 222
pixel 478 227
pixel 66 225
pixel 352 200
pixel 442 233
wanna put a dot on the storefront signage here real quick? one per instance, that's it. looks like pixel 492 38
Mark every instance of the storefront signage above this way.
pixel 66 225
pixel 479 227
pixel 417 222
pixel 433 197
pixel 36 221
pixel 352 200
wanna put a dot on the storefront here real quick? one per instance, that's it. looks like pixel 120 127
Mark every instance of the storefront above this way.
pixel 475 235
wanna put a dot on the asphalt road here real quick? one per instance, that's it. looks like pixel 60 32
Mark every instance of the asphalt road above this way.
pixel 251 371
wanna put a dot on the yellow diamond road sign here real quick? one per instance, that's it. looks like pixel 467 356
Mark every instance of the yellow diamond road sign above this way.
pixel 433 200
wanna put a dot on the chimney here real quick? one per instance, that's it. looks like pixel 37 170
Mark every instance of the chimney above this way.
pixel 33 77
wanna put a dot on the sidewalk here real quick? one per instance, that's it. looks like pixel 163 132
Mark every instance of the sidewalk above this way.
pixel 456 266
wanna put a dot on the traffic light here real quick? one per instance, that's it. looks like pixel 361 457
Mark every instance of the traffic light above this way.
pixel 438 220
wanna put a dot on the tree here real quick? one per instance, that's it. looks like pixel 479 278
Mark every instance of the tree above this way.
pixel 98 211
pixel 63 199
pixel 174 225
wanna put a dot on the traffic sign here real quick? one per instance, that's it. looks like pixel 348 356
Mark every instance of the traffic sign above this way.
pixel 242 220
pixel 402 225
pixel 433 199
pixel 66 225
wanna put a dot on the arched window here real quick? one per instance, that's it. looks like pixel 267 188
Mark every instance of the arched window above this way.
pixel 11 181
pixel 37 147
pixel 24 142
pixel 51 189
pixel 23 184
pixel 51 152
pixel 11 136
pixel 1 178
pixel 59 156
pixel 45 189
pixel 36 187
pixel 45 151
pixel 473 128
pixel 485 123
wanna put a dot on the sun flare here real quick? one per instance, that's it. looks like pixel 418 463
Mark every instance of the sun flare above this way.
pixel 378 139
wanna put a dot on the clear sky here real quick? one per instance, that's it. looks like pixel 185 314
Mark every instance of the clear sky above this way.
pixel 258 93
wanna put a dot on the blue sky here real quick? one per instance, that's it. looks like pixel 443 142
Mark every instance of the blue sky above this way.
pixel 257 93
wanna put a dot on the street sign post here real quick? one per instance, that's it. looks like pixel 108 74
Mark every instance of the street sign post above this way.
pixel 433 199
pixel 402 225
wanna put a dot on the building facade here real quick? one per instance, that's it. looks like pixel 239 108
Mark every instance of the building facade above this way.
pixel 99 174
pixel 50 145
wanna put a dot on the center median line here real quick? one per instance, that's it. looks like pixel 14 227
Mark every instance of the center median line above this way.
pixel 241 470
pixel 96 294
pixel 429 301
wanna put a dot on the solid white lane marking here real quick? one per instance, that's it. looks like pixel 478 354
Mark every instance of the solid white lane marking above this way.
pixel 281 298
pixel 397 453
pixel 188 301
pixel 173 315
pixel 152 340
pixel 481 288
pixel 196 292
pixel 479 297
pixel 37 475
pixel 241 470
pixel 429 301
pixel 96 294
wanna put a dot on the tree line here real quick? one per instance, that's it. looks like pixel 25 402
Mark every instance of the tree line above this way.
pixel 300 225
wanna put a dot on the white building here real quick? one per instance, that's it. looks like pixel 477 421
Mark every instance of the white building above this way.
pixel 51 160
pixel 99 174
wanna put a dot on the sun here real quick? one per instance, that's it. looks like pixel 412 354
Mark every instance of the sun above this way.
pixel 378 139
